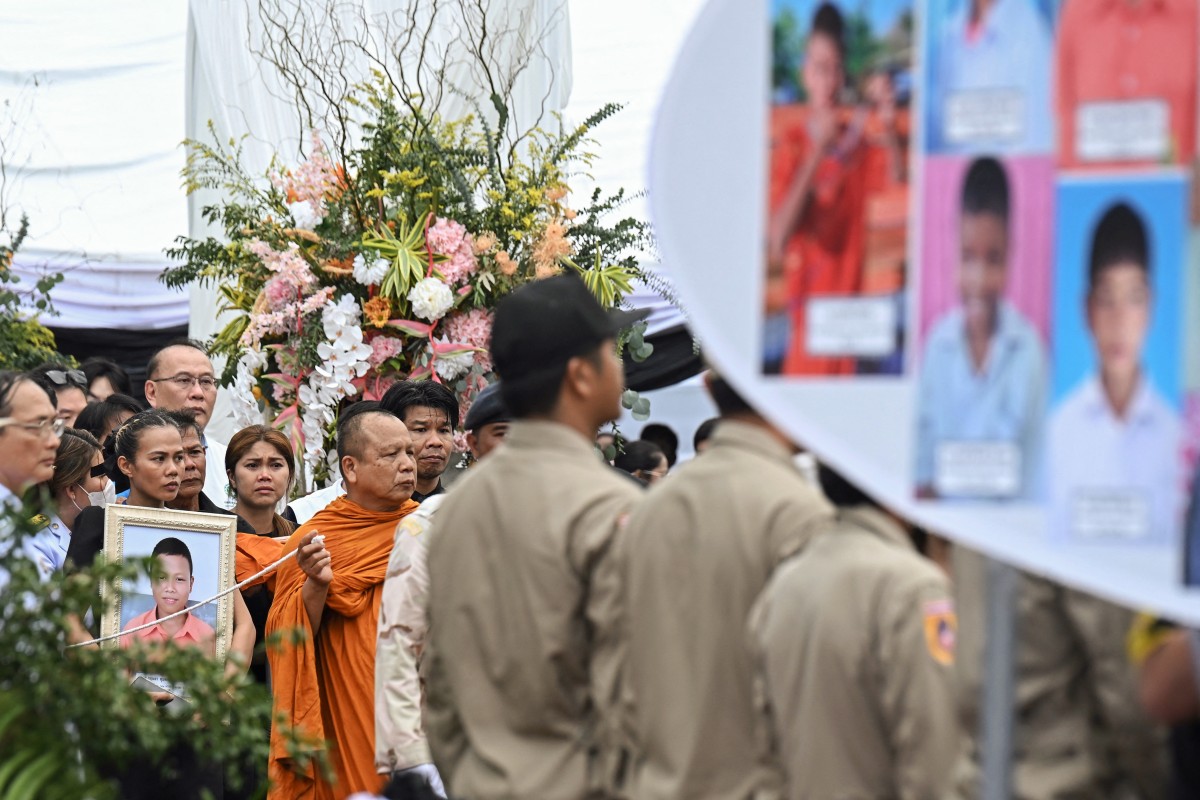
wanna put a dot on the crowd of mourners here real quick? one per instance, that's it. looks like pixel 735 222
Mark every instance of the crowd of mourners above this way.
pixel 580 617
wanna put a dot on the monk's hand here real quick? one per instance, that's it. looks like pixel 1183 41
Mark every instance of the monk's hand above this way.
pixel 314 559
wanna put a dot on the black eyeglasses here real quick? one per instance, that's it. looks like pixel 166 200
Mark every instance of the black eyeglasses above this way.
pixel 68 377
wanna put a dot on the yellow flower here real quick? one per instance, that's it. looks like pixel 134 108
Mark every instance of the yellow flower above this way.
pixel 377 310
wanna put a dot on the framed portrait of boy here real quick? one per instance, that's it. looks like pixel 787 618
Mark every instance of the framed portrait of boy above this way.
pixel 195 561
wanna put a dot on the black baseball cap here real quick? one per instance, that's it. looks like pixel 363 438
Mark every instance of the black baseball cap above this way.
pixel 544 324
pixel 488 408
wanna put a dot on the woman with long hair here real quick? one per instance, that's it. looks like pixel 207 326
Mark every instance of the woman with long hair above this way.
pixel 261 466
pixel 79 483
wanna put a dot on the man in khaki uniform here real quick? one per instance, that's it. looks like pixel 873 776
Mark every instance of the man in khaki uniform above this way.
pixel 1079 731
pixel 854 648
pixel 696 555
pixel 524 595
pixel 400 746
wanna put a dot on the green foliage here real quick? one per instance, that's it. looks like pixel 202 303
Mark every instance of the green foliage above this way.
pixel 24 342
pixel 69 721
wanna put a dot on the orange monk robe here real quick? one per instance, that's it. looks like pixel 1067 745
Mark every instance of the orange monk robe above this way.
pixel 327 692
pixel 254 554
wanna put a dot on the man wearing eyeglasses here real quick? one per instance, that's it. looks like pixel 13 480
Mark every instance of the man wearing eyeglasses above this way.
pixel 180 377
pixel 29 429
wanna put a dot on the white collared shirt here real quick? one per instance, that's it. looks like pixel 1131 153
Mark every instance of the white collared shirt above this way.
pixel 1009 54
pixel 305 507
pixel 1004 402
pixel 216 483
pixel 1102 468
pixel 50 546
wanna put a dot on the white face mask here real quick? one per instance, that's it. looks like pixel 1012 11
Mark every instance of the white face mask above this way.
pixel 103 498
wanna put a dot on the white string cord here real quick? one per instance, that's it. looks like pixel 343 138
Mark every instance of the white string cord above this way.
pixel 237 587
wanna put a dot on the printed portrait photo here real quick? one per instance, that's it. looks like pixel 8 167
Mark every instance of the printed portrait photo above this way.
pixel 987 236
pixel 1115 433
pixel 987 71
pixel 838 187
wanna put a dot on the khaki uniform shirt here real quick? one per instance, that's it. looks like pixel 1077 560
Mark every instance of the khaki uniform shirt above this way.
pixel 399 738
pixel 696 556
pixel 522 654
pixel 1079 731
pixel 854 646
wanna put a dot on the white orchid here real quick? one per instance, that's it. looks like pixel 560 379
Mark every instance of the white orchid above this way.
pixel 342 314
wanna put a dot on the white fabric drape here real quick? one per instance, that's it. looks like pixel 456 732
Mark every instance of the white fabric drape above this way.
pixel 91 114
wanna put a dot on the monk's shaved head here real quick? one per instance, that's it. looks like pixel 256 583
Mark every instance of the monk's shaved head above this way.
pixel 377 461
pixel 350 438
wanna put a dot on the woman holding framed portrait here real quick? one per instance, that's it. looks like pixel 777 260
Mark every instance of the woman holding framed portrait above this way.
pixel 148 451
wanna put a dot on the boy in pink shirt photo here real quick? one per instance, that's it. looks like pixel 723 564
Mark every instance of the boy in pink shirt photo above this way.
pixel 171 586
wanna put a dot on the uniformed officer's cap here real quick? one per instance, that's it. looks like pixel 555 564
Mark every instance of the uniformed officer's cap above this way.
pixel 545 323
pixel 488 408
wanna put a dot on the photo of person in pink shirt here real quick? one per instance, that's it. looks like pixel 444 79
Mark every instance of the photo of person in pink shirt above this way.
pixel 171 586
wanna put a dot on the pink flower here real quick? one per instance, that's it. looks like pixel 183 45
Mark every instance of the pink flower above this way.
pixel 281 393
pixel 383 348
pixel 460 442
pixel 450 239
pixel 279 293
pixel 472 327
pixel 313 181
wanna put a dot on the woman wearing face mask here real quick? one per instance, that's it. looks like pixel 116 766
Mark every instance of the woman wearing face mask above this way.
pixel 79 482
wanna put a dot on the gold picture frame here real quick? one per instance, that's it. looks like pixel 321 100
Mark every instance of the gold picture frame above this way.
pixel 133 531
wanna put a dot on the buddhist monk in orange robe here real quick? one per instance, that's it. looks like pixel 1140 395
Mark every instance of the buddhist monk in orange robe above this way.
pixel 323 681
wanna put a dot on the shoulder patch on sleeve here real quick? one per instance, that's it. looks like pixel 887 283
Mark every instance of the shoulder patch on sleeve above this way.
pixel 40 522
pixel 941 630
pixel 411 526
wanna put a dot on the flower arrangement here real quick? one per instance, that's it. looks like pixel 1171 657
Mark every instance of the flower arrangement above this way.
pixel 348 272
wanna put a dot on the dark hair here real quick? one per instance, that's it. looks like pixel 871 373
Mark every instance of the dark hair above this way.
pixel 639 456
pixel 828 20
pixel 68 377
pixel 841 492
pixel 99 367
pixel 152 364
pixel 704 432
pixel 73 462
pixel 665 438
pixel 9 383
pixel 246 438
pixel 171 546
pixel 728 401
pixel 1120 237
pixel 409 394
pixel 349 427
pixel 95 417
pixel 185 420
pixel 126 439
pixel 985 189
pixel 537 394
